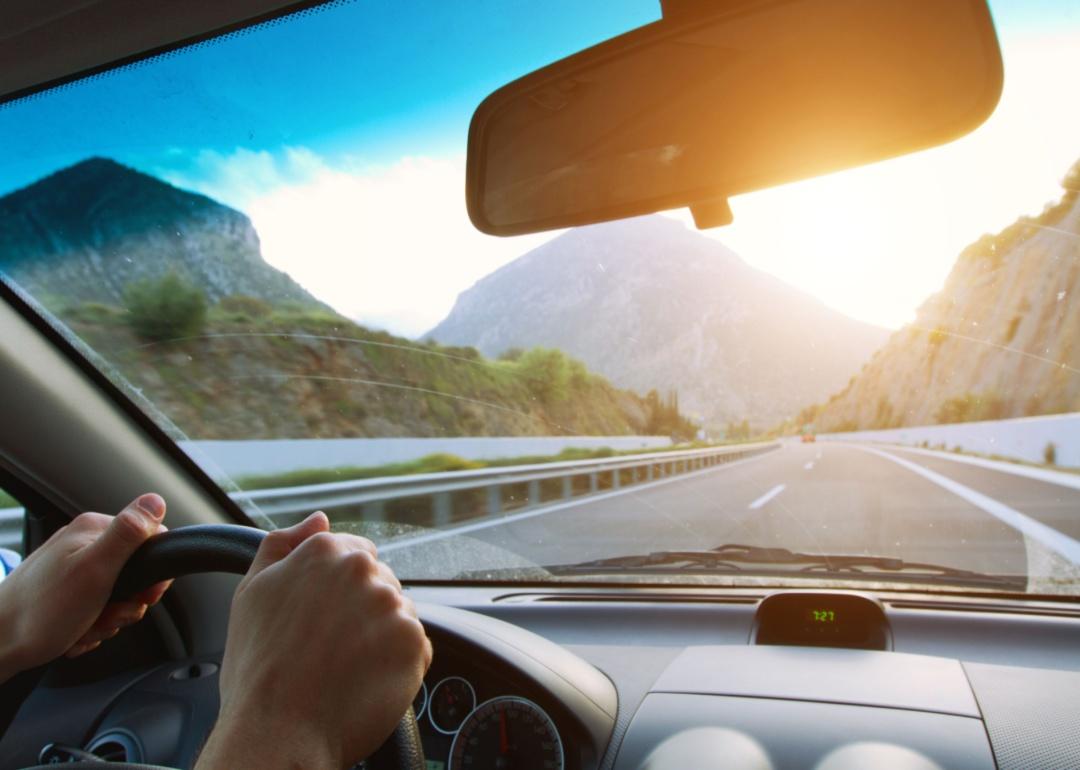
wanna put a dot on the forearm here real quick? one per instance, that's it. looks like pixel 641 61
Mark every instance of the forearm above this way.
pixel 253 744
pixel 13 655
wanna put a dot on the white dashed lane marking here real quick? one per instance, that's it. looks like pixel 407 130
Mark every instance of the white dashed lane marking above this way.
pixel 767 496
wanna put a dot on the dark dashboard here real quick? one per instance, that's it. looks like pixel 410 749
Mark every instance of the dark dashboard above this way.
pixel 655 679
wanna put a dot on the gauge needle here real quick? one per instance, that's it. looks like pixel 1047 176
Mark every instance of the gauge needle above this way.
pixel 504 734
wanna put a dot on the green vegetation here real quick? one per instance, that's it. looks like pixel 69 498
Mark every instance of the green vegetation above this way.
pixel 240 307
pixel 737 431
pixel 7 501
pixel 169 308
pixel 666 420
pixel 971 407
pixel 1010 331
pixel 883 415
pixel 547 372
pixel 289 371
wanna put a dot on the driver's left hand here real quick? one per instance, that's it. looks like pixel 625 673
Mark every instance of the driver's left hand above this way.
pixel 57 601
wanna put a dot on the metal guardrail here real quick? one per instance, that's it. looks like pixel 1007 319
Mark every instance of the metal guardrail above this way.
pixel 11 526
pixel 498 485
pixel 504 488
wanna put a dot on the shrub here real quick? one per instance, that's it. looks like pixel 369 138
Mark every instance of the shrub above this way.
pixel 167 308
pixel 971 407
pixel 245 306
pixel 1050 453
pixel 1010 332
pixel 547 374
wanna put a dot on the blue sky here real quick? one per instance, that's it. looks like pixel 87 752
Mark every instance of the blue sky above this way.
pixel 342 135
pixel 370 78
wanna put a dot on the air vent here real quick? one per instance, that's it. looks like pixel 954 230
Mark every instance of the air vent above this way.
pixel 116 746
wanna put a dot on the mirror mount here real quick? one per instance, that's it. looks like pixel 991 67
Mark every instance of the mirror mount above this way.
pixel 714 213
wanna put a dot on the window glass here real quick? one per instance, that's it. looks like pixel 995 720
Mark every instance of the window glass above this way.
pixel 12 518
pixel 263 241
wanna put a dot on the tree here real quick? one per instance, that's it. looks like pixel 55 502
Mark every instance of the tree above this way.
pixel 547 373
pixel 167 308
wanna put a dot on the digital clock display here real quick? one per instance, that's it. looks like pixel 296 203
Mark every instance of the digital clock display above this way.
pixel 822 619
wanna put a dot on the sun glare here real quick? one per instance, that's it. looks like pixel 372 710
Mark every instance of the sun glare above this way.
pixel 391 244
pixel 874 242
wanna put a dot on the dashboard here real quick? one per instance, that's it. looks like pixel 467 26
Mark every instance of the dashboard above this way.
pixel 654 679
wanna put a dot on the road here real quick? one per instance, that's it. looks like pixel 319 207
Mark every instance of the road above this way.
pixel 823 498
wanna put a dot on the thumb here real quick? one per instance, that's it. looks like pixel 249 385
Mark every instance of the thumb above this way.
pixel 129 529
pixel 280 543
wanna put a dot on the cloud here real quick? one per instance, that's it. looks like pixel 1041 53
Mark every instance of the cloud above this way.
pixel 389 245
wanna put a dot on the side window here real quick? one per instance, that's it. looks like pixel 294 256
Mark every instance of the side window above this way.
pixel 12 515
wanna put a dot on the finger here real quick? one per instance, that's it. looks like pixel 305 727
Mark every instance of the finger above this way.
pixel 129 529
pixel 153 594
pixel 114 617
pixel 280 543
pixel 357 543
pixel 81 649
pixel 387 575
pixel 118 615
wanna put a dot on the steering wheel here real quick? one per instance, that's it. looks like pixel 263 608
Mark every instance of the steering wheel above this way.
pixel 230 548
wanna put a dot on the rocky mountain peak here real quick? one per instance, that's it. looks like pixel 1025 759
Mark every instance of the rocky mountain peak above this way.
pixel 653 305
pixel 83 233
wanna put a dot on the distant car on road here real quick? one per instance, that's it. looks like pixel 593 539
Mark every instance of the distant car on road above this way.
pixel 808 438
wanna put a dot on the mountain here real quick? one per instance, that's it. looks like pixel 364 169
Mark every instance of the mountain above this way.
pixel 1001 339
pixel 653 305
pixel 270 361
pixel 84 233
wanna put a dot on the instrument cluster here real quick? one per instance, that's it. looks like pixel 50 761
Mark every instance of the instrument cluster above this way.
pixel 467 724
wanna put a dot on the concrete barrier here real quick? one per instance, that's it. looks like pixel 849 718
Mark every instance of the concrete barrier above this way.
pixel 247 458
pixel 1025 438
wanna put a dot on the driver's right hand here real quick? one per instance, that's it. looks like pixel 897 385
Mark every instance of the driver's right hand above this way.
pixel 324 654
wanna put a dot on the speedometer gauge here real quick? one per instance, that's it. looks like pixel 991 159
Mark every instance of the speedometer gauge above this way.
pixel 451 701
pixel 420 701
pixel 507 733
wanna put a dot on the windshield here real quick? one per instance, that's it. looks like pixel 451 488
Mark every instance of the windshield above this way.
pixel 870 378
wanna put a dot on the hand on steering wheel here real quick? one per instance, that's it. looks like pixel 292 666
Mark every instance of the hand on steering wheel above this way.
pixel 324 652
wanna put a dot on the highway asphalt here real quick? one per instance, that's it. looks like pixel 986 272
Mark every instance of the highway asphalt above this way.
pixel 821 498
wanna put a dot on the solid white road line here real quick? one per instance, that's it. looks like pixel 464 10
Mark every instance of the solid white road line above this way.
pixel 1036 530
pixel 809 466
pixel 1061 478
pixel 529 513
pixel 767 496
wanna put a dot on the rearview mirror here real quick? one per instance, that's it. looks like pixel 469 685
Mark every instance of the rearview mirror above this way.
pixel 725 98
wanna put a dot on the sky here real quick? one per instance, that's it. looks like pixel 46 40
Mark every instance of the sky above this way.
pixel 342 136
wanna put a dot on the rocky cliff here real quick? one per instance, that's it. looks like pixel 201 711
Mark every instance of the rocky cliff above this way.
pixel 1001 339
pixel 86 232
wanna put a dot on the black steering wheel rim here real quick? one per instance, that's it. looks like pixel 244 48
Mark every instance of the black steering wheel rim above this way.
pixel 232 548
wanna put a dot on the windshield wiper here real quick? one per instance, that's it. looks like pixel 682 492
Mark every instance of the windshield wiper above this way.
pixel 732 557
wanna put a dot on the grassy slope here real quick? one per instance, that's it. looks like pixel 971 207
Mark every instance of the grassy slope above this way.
pixel 303 374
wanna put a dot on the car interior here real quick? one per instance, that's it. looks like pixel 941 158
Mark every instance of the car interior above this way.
pixel 759 669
